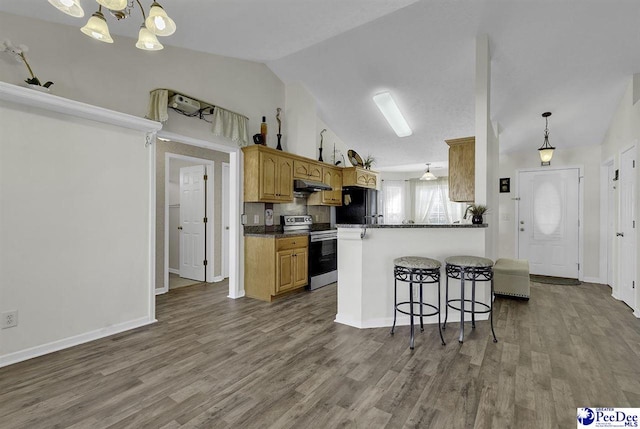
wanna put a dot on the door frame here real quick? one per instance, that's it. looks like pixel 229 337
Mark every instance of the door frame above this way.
pixel 236 256
pixel 224 271
pixel 209 255
pixel 606 253
pixel 580 169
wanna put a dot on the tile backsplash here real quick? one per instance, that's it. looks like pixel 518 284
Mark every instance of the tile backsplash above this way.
pixel 320 214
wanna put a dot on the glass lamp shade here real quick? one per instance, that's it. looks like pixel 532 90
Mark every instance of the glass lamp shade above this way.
pixel 97 28
pixel 70 7
pixel 147 40
pixel 158 22
pixel 113 4
pixel 545 155
pixel 428 176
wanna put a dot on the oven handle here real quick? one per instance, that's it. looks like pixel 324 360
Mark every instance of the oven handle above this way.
pixel 316 239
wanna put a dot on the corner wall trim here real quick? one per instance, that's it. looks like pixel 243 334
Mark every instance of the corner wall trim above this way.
pixel 65 343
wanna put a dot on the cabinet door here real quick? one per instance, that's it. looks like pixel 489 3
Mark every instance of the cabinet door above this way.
pixel 285 179
pixel 336 184
pixel 300 169
pixel 300 267
pixel 462 170
pixel 269 165
pixel 315 172
pixel 371 180
pixel 284 270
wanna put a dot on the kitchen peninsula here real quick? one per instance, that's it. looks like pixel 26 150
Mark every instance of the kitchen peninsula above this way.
pixel 365 267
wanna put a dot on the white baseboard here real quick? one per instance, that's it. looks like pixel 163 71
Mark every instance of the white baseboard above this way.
pixel 239 295
pixel 637 313
pixel 387 322
pixel 593 280
pixel 217 279
pixel 65 343
pixel 160 291
pixel 174 271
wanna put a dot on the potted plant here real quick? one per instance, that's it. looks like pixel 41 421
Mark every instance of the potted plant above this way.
pixel 477 211
pixel 18 52
pixel 368 162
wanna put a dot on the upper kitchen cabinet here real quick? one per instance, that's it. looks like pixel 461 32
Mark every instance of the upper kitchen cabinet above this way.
pixel 331 176
pixel 304 169
pixel 268 175
pixel 462 169
pixel 357 176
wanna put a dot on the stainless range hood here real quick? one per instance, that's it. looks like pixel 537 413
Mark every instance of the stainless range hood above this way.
pixel 300 185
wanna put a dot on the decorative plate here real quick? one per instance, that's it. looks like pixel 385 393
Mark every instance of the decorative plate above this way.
pixel 354 158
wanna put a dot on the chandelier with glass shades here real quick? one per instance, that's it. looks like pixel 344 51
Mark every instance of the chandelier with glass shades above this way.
pixel 155 23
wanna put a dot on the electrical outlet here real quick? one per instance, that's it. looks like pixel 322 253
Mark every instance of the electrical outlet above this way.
pixel 256 219
pixel 9 319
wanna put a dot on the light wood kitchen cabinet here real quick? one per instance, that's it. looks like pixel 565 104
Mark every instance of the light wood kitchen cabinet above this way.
pixel 331 176
pixel 275 266
pixel 307 170
pixel 358 176
pixel 268 175
pixel 462 169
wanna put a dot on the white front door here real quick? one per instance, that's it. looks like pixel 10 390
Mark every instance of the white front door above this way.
pixel 225 220
pixel 192 214
pixel 548 221
pixel 626 234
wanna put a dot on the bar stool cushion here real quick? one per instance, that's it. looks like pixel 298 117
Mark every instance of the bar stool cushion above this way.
pixel 417 262
pixel 469 261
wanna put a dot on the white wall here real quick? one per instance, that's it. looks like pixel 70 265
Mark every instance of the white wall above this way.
pixel 623 131
pixel 119 76
pixel 586 157
pixel 74 230
pixel 299 122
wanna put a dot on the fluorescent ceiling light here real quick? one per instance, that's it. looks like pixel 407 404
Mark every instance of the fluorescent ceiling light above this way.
pixel 392 114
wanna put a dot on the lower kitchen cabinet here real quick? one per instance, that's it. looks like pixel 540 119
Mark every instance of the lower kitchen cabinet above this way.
pixel 275 266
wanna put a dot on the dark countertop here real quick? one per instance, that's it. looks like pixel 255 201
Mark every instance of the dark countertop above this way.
pixel 277 234
pixel 414 225
pixel 276 230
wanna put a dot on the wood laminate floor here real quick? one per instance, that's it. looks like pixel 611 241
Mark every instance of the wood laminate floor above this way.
pixel 212 362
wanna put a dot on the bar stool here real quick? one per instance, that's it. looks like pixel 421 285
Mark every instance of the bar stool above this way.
pixel 472 268
pixel 416 269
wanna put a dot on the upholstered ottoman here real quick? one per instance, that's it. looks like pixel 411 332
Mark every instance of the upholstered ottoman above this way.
pixel 511 278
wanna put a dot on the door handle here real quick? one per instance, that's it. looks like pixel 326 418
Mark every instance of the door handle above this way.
pixel 619 234
pixel 180 228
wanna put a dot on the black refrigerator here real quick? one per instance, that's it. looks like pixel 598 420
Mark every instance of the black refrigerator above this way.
pixel 359 206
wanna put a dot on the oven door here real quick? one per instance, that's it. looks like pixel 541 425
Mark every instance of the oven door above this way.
pixel 323 261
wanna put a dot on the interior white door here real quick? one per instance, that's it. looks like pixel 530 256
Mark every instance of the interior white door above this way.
pixel 626 234
pixel 192 214
pixel 548 221
pixel 225 220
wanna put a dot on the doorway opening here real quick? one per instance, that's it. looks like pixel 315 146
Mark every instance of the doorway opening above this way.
pixel 197 151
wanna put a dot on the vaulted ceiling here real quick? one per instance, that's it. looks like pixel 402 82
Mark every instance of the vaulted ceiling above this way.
pixel 572 57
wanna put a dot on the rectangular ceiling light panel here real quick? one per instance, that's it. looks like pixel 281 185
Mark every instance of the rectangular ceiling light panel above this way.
pixel 392 114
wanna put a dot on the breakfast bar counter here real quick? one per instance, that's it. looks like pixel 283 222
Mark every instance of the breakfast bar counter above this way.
pixel 365 267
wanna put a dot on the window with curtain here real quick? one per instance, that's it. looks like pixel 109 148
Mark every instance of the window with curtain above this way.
pixel 394 196
pixel 432 204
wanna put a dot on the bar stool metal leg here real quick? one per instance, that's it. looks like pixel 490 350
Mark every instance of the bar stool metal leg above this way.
pixel 495 340
pixel 439 305
pixel 461 338
pixel 395 300
pixel 411 340
pixel 421 301
pixel 473 301
pixel 446 299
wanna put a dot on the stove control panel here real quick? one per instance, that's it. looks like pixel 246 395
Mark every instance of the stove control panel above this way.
pixel 290 220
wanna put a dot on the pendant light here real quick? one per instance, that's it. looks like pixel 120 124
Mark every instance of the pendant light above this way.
pixel 158 22
pixel 428 175
pixel 113 4
pixel 546 150
pixel 97 27
pixel 70 7
pixel 148 41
